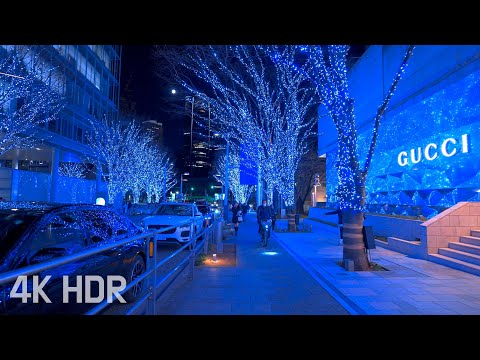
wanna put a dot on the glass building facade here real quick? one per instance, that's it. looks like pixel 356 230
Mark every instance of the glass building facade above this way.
pixel 427 156
pixel 198 137
pixel 88 76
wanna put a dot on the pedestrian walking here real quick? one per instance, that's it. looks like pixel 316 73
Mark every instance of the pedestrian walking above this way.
pixel 237 216
pixel 245 211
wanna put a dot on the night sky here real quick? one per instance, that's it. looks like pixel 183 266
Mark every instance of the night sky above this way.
pixel 147 90
pixel 150 93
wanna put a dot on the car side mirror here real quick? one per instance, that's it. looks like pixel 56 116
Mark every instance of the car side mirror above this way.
pixel 46 254
pixel 198 214
pixel 121 232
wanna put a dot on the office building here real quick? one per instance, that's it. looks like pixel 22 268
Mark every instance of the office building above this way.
pixel 88 78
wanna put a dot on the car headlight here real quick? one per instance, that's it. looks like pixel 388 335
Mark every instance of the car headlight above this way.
pixel 184 228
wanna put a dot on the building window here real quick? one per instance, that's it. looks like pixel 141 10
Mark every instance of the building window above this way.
pixel 6 163
pixel 52 125
pixel 34 165
pixel 66 128
pixel 78 132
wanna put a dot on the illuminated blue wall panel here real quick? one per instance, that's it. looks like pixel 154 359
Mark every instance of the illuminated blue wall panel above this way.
pixel 427 156
pixel 73 190
pixel 30 186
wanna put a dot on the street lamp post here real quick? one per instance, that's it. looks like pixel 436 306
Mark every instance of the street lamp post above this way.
pixel 225 183
pixel 192 99
pixel 316 183
pixel 225 202
pixel 181 185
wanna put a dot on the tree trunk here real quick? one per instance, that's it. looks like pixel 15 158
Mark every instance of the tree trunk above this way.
pixel 299 205
pixel 353 245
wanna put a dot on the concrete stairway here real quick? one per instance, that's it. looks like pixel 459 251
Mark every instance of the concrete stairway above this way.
pixel 463 255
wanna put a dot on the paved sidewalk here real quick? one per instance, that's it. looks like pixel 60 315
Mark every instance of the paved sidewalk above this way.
pixel 410 287
pixel 302 276
pixel 264 282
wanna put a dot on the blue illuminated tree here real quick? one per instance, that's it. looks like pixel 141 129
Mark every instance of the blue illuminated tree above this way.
pixel 139 166
pixel 158 163
pixel 133 161
pixel 27 97
pixel 259 100
pixel 241 193
pixel 112 144
pixel 73 170
pixel 327 70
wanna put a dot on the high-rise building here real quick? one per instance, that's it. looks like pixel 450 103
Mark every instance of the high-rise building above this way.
pixel 198 137
pixel 154 128
pixel 88 77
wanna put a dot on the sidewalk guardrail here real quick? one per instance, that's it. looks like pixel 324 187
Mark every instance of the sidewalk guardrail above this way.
pixel 150 295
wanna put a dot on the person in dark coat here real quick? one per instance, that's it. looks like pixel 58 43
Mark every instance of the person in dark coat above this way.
pixel 236 212
pixel 264 212
pixel 340 222
pixel 245 211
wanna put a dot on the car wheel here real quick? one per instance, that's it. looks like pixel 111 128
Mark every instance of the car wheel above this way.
pixel 136 269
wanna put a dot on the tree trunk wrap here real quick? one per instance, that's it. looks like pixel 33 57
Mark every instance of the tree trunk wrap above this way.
pixel 353 244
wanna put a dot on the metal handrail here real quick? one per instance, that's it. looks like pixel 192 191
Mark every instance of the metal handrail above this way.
pixel 152 291
pixel 35 269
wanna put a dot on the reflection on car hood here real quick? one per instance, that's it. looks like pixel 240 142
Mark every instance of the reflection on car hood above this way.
pixel 165 219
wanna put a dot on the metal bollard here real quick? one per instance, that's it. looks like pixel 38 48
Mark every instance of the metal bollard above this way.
pixel 219 236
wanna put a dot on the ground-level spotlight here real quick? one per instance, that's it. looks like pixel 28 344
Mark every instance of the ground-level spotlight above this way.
pixel 270 253
pixel 100 201
pixel 214 257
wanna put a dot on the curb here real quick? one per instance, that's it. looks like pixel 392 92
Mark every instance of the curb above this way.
pixel 348 305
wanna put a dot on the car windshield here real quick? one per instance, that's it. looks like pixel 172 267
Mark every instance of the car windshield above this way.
pixel 179 210
pixel 203 209
pixel 13 225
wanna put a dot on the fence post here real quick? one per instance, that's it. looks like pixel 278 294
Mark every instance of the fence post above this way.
pixel 192 259
pixel 152 280
pixel 207 239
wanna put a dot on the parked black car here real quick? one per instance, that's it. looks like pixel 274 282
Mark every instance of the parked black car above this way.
pixel 42 232
pixel 207 214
